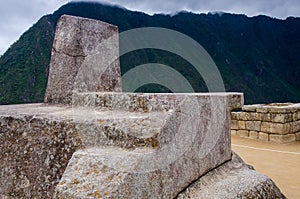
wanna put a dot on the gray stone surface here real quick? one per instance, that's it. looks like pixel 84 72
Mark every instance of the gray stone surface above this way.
pixel 84 58
pixel 277 122
pixel 88 143
pixel 233 179
pixel 191 139
pixel 169 133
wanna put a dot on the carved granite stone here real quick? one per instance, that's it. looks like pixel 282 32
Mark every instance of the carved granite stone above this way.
pixel 84 58
pixel 89 141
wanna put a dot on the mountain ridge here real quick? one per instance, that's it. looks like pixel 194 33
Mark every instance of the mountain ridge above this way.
pixel 255 55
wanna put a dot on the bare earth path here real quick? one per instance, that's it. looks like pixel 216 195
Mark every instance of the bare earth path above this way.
pixel 281 162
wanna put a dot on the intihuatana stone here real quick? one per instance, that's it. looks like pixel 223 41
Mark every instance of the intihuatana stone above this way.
pixel 177 154
pixel 90 141
pixel 85 58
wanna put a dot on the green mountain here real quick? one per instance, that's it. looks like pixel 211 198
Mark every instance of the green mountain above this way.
pixel 255 55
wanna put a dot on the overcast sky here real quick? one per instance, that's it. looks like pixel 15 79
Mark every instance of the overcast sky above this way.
pixel 16 16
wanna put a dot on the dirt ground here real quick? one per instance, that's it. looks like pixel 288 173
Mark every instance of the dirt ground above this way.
pixel 281 162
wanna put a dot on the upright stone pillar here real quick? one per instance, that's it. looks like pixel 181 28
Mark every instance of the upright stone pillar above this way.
pixel 84 58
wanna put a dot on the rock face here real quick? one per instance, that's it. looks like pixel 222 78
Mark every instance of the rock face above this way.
pixel 117 145
pixel 85 58
pixel 233 179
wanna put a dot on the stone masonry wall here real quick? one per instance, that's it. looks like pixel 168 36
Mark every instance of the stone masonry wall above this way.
pixel 278 122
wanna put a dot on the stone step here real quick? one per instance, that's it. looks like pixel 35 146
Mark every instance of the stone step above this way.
pixel 112 172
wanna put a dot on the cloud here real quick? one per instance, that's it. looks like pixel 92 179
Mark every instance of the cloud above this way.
pixel 274 8
pixel 18 15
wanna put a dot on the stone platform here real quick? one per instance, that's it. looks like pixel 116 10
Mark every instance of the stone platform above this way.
pixel 156 141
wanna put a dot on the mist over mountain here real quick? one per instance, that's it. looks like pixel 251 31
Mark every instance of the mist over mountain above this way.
pixel 255 55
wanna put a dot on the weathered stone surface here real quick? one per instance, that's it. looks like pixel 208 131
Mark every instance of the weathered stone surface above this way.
pixel 233 132
pixel 233 179
pixel 276 118
pixel 243 116
pixel 295 126
pixel 35 149
pixel 253 125
pixel 110 145
pixel 297 136
pixel 262 109
pixel 276 128
pixel 234 115
pixel 84 58
pixel 250 108
pixel 282 138
pixel 295 116
pixel 266 117
pixel 57 131
pixel 254 116
pixel 243 133
pixel 263 136
pixel 241 125
pixel 253 134
pixel 234 124
pixel 281 118
pixel 181 152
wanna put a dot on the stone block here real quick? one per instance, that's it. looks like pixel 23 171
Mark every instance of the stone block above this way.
pixel 265 127
pixel 243 133
pixel 265 117
pixel 282 138
pixel 172 135
pixel 84 59
pixel 295 126
pixel 243 116
pixel 233 132
pixel 250 108
pixel 276 128
pixel 234 115
pixel 262 109
pixel 254 116
pixel 263 136
pixel 253 125
pixel 152 171
pixel 253 134
pixel 297 136
pixel 281 117
pixel 241 125
pixel 274 109
pixel 295 116
pixel 234 124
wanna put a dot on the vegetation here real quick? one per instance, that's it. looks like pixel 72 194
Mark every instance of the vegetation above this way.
pixel 258 55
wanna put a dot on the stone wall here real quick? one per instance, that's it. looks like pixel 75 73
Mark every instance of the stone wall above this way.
pixel 278 122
